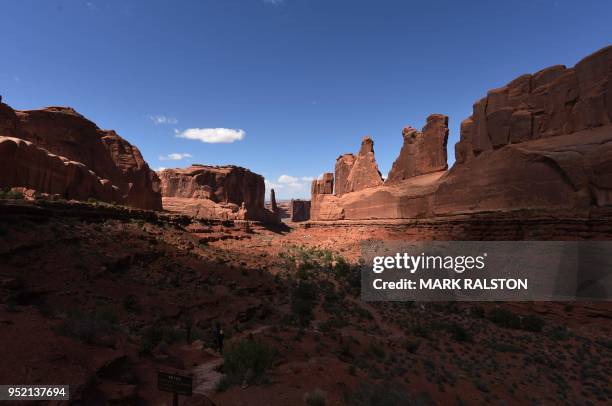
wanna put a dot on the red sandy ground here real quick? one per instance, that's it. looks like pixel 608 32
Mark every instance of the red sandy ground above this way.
pixel 58 258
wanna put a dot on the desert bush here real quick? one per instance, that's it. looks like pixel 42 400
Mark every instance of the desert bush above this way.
pixel 130 303
pixel 7 193
pixel 157 334
pixel 478 312
pixel 459 333
pixel 504 318
pixel 532 323
pixel 370 394
pixel 247 361
pixel 317 397
pixel 87 326
pixel 412 346
pixel 377 351
pixel 303 299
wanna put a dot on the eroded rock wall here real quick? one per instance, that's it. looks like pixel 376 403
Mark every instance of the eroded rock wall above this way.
pixel 221 192
pixel 63 132
pixel 300 210
pixel 422 152
pixel 542 142
pixel 554 101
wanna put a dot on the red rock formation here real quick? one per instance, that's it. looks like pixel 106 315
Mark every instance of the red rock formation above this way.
pixel 364 173
pixel 273 204
pixel 572 171
pixel 323 186
pixel 554 101
pixel 26 165
pixel 8 121
pixel 422 152
pixel 300 210
pixel 218 192
pixel 344 164
pixel 543 142
pixel 63 132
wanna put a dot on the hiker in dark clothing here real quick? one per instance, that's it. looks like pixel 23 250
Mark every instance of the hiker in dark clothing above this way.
pixel 218 336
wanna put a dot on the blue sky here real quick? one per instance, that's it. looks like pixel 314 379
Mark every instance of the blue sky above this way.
pixel 303 80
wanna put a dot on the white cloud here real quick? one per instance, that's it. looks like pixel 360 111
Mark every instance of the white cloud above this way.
pixel 291 187
pixel 287 179
pixel 161 119
pixel 271 185
pixel 161 168
pixel 274 2
pixel 174 157
pixel 212 135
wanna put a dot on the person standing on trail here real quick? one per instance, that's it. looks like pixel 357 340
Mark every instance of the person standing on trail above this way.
pixel 220 337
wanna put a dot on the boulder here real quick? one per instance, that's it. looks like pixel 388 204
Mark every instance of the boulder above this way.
pixel 422 152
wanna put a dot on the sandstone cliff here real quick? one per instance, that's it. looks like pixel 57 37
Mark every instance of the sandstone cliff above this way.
pixel 423 152
pixel 542 142
pixel 217 192
pixel 554 101
pixel 61 133
pixel 300 210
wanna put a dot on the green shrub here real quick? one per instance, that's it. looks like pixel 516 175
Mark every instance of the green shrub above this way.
pixel 459 333
pixel 377 351
pixel 303 299
pixel 7 193
pixel 532 323
pixel 86 327
pixel 504 318
pixel 157 334
pixel 317 397
pixel 247 361
pixel 130 303
pixel 412 346
pixel 369 394
pixel 478 312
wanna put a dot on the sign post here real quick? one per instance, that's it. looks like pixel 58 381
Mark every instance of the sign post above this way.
pixel 175 383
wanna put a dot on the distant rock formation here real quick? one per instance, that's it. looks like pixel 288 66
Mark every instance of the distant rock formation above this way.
pixel 215 192
pixel 273 201
pixel 323 186
pixel 542 142
pixel 62 133
pixel 300 210
pixel 423 152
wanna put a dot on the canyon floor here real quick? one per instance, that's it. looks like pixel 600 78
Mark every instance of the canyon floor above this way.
pixel 103 297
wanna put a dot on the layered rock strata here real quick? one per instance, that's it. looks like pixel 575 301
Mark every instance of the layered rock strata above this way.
pixel 542 142
pixel 60 134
